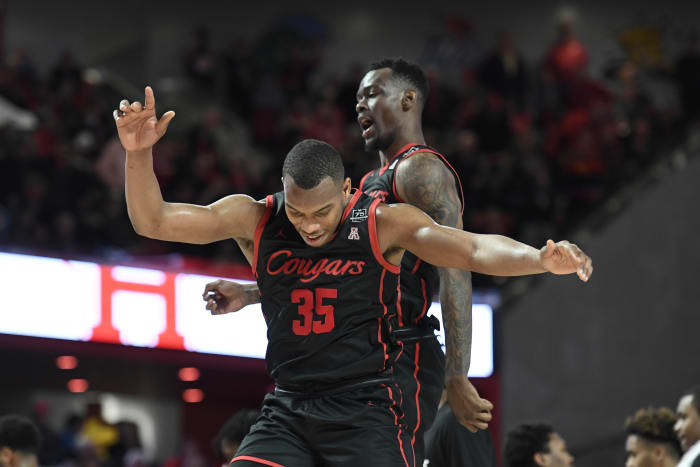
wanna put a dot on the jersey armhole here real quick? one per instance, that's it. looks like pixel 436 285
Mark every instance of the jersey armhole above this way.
pixel 259 231
pixel 362 180
pixel 374 239
pixel 393 181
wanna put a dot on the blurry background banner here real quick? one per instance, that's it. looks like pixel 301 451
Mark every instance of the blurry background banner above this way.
pixel 152 308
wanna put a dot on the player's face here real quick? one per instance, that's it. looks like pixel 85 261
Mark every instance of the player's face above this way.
pixel 558 456
pixel 639 452
pixel 316 213
pixel 378 109
pixel 687 427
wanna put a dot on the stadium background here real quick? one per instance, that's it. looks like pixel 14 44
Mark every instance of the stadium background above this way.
pixel 594 140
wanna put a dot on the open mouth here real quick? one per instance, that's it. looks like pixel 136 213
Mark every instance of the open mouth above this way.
pixel 367 125
pixel 312 239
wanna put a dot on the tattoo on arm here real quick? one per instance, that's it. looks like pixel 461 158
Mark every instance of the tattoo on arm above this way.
pixel 428 184
pixel 456 303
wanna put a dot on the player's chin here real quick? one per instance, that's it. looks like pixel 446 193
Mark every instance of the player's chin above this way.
pixel 372 143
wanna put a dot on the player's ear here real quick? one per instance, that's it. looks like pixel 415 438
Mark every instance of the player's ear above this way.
pixel 409 99
pixel 347 188
pixel 659 452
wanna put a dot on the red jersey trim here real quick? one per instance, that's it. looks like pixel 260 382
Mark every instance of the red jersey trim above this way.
pixel 402 150
pixel 379 320
pixel 415 376
pixel 399 311
pixel 425 301
pixel 255 459
pixel 415 266
pixel 396 422
pixel 362 181
pixel 374 239
pixel 350 205
pixel 258 232
pixel 397 154
pixel 346 211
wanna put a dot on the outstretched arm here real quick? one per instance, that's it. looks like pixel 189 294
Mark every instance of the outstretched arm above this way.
pixel 403 227
pixel 235 216
pixel 425 182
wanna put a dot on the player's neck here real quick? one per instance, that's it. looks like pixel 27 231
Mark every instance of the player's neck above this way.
pixel 401 140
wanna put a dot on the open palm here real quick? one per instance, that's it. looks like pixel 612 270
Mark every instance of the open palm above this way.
pixel 137 126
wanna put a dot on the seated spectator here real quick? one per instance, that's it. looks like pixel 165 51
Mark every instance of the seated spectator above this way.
pixel 449 444
pixel 19 442
pixel 688 427
pixel 651 440
pixel 536 445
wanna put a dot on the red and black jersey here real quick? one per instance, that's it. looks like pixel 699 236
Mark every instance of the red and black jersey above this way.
pixel 419 280
pixel 327 308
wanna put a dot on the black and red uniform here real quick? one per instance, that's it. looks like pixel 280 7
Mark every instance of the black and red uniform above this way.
pixel 421 366
pixel 329 312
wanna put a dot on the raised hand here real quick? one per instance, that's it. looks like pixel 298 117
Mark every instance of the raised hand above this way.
pixel 227 296
pixel 138 127
pixel 470 409
pixel 566 258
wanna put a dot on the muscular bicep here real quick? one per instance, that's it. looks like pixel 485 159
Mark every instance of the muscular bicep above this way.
pixel 404 227
pixel 424 181
pixel 233 216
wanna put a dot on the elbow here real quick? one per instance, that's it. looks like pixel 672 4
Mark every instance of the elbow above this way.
pixel 140 230
pixel 143 229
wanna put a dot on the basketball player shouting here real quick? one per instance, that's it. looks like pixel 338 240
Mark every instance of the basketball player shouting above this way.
pixel 390 100
pixel 327 262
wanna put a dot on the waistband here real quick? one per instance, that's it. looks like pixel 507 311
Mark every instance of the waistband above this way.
pixel 333 389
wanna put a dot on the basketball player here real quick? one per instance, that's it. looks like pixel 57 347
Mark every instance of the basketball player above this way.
pixel 327 265
pixel 390 101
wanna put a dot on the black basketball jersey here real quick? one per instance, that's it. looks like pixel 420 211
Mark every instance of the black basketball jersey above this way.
pixel 419 280
pixel 327 308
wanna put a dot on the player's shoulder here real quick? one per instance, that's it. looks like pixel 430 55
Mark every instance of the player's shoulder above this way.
pixel 395 213
pixel 423 165
pixel 241 202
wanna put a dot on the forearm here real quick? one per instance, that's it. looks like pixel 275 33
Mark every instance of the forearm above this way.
pixel 456 305
pixel 502 256
pixel 144 200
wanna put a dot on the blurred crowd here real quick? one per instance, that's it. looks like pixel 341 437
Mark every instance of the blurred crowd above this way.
pixel 87 439
pixel 654 437
pixel 538 145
